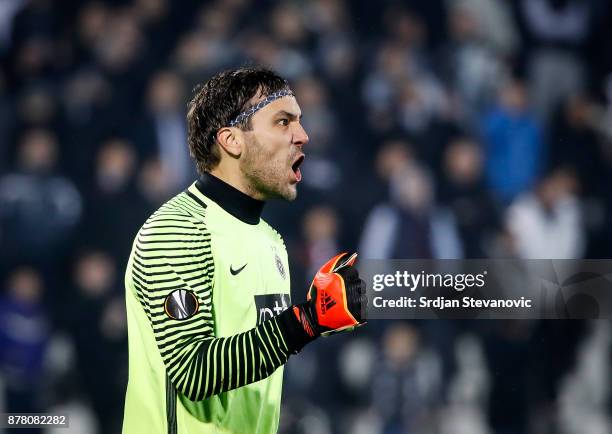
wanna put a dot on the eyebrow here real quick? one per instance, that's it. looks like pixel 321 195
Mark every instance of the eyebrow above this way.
pixel 290 115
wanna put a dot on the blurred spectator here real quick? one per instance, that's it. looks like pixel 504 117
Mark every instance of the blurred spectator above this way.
pixel 24 336
pixel 154 17
pixel 119 46
pixel 421 102
pixel 405 389
pixel 547 224
pixel 154 186
pixel 37 18
pixel 120 52
pixel 86 98
pixel 556 31
pixel 287 25
pixel 288 37
pixel 34 60
pixel 321 237
pixel 114 210
pixel 513 142
pixel 561 23
pixel 410 225
pixel 463 191
pixel 319 120
pixel 555 347
pixel 262 49
pixel 327 160
pixel 471 64
pixel 163 129
pixel 491 23
pixel 468 390
pixel 91 22
pixel 82 419
pixel 379 87
pixel 400 92
pixel 582 396
pixel 393 156
pixel 96 321
pixel 356 366
pixel 37 108
pixel 336 52
pixel 318 240
pixel 8 10
pixel 508 355
pixel 577 143
pixel 200 53
pixel 38 207
pixel 302 417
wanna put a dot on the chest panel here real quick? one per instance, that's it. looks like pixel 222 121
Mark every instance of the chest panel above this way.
pixel 251 280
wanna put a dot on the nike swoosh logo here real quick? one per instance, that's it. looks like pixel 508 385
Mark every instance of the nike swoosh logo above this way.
pixel 234 272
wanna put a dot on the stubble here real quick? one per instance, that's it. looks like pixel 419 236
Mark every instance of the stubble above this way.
pixel 266 175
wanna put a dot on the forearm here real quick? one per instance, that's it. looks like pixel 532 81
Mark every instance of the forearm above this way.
pixel 217 365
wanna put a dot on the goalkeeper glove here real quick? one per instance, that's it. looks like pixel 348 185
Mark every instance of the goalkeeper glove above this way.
pixel 335 299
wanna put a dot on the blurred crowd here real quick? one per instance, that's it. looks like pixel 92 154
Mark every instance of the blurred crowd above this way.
pixel 438 129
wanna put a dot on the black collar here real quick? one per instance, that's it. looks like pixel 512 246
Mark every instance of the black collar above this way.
pixel 235 202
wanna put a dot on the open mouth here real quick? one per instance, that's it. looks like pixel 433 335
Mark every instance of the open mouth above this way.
pixel 296 167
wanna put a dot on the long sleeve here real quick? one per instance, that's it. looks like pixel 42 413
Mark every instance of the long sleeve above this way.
pixel 172 255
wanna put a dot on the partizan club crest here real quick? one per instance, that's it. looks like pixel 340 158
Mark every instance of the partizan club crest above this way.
pixel 279 264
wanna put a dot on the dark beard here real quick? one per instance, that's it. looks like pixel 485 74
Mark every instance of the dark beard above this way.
pixel 257 170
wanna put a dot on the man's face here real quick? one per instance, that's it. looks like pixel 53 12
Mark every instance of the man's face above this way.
pixel 273 152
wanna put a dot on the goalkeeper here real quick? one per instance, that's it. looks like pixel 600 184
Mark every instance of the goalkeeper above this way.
pixel 210 318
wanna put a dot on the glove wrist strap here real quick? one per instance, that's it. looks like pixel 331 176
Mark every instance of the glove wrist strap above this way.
pixel 302 313
pixel 292 330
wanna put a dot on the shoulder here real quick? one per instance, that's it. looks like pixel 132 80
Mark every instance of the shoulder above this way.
pixel 182 215
pixel 272 233
pixel 185 204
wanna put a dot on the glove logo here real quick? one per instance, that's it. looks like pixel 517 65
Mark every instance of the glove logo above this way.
pixel 181 304
pixel 327 302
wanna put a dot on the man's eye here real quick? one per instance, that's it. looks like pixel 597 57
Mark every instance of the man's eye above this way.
pixel 284 122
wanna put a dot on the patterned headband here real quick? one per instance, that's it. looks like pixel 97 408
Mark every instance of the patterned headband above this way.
pixel 261 104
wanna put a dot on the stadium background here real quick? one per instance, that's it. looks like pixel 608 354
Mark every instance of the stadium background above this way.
pixel 458 129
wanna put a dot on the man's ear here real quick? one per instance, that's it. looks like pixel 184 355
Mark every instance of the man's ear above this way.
pixel 231 140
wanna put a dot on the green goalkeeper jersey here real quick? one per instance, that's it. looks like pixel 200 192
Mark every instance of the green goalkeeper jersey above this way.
pixel 207 296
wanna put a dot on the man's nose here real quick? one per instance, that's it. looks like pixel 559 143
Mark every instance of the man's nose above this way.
pixel 299 136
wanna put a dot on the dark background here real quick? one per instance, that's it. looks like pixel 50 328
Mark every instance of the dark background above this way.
pixel 459 129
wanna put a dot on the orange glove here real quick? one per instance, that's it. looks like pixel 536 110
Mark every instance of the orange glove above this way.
pixel 335 300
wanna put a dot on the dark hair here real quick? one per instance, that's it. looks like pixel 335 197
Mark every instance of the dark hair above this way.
pixel 218 101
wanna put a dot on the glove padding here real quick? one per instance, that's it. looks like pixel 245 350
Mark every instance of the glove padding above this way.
pixel 335 299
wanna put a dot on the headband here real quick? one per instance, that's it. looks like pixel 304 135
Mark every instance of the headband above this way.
pixel 261 104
